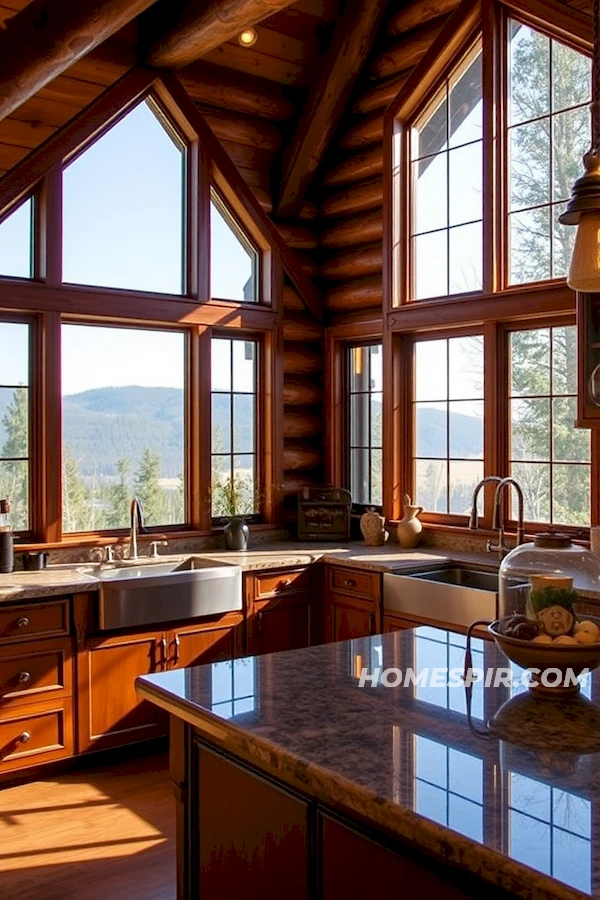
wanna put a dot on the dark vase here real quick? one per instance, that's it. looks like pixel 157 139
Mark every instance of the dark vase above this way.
pixel 236 534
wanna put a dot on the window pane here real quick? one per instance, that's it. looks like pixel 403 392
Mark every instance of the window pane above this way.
pixel 431 280
pixel 530 165
pixel 365 411
pixel 466 258
pixel 432 485
pixel 431 430
pixel 234 488
pixel 359 369
pixel 466 106
pixel 124 208
pixel 431 370
pixel 571 495
pixel 464 477
pixel 466 368
pixel 430 132
pixel 431 193
pixel 529 237
pixel 571 77
pixel 233 259
pixel 359 476
pixel 564 360
pixel 529 75
pixel 563 242
pixel 534 478
pixel 530 436
pixel 376 477
pixel 123 426
pixel 16 258
pixel 530 362
pixel 466 182
pixel 359 420
pixel 14 420
pixel 376 363
pixel 570 140
pixel 568 443
pixel 466 429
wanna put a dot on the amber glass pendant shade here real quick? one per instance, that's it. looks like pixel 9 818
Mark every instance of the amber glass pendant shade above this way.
pixel 584 271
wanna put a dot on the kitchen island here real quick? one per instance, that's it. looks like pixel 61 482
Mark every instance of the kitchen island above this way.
pixel 291 779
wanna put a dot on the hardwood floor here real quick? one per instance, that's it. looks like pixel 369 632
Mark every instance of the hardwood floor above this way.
pixel 107 832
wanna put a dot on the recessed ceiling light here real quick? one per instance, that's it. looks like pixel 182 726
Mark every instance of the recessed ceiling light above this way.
pixel 247 37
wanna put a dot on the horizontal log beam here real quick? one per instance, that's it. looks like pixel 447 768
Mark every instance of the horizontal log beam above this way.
pixel 298 391
pixel 354 263
pixel 300 327
pixel 354 199
pixel 298 236
pixel 228 89
pixel 293 483
pixel 202 27
pixel 366 132
pixel 381 95
pixel 419 13
pixel 300 456
pixel 363 229
pixel 352 40
pixel 352 295
pixel 298 423
pixel 247 130
pixel 298 359
pixel 356 168
pixel 408 51
pixel 47 36
pixel 308 211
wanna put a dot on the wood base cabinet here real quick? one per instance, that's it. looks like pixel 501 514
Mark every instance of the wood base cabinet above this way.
pixel 110 713
pixel 352 603
pixel 281 610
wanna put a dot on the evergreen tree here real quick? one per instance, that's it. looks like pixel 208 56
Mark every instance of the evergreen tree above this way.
pixel 14 482
pixel 76 497
pixel 119 497
pixel 147 487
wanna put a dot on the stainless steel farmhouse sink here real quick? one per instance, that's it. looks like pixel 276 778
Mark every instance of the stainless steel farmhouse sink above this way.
pixel 147 594
pixel 453 594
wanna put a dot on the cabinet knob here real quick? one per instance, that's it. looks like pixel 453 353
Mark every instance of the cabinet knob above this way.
pixel 285 582
pixel 23 622
pixel 349 582
pixel 24 677
pixel 24 737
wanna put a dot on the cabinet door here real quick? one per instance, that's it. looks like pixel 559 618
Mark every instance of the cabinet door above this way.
pixel 394 623
pixel 110 713
pixel 281 625
pixel 350 618
pixel 194 645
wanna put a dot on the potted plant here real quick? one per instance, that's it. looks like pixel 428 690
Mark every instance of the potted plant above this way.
pixel 234 498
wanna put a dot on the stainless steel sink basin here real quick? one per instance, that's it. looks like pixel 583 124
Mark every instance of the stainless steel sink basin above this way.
pixel 149 594
pixel 451 594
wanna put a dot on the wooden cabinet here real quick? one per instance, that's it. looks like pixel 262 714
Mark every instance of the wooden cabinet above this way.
pixel 36 684
pixel 110 713
pixel 281 610
pixel 394 622
pixel 352 603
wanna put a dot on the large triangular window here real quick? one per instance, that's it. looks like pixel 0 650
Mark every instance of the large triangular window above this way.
pixel 233 257
pixel 16 256
pixel 124 207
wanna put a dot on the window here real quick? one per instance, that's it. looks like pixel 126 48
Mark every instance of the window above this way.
pixel 124 205
pixel 548 132
pixel 366 384
pixel 16 242
pixel 123 412
pixel 234 424
pixel 548 456
pixel 435 649
pixel 233 259
pixel 448 422
pixel 14 420
pixel 446 178
pixel 234 687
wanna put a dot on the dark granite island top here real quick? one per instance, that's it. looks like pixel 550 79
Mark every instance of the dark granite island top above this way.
pixel 510 795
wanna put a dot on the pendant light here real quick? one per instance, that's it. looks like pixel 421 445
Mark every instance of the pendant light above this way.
pixel 583 208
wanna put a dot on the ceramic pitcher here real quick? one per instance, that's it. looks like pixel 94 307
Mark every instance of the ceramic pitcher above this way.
pixel 372 528
pixel 410 528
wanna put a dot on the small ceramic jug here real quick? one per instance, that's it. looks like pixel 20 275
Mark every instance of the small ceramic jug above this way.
pixel 410 528
pixel 372 528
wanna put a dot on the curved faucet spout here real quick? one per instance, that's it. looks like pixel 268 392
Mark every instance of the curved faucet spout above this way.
pixel 474 518
pixel 498 520
pixel 137 524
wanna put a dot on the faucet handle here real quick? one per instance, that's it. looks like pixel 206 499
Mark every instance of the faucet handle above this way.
pixel 109 553
pixel 154 545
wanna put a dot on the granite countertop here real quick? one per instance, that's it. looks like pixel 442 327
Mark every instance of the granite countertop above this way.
pixel 66 579
pixel 516 803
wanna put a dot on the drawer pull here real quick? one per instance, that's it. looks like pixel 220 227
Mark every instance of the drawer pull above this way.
pixel 24 737
pixel 23 622
pixel 24 677
pixel 349 582
pixel 285 582
pixel 176 651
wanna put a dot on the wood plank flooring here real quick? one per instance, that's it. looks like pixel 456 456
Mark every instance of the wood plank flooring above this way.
pixel 107 832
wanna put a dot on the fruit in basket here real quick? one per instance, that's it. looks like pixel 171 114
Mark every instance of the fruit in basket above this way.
pixel 587 627
pixel 519 627
pixel 543 639
pixel 586 637
pixel 564 639
pixel 551 603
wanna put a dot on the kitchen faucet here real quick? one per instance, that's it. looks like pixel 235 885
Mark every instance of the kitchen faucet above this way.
pixel 498 514
pixel 137 523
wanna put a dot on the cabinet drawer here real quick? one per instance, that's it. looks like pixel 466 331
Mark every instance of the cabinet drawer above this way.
pixel 34 737
pixel 33 620
pixel 275 584
pixel 354 582
pixel 34 672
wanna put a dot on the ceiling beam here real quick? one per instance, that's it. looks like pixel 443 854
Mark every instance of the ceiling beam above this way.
pixel 204 25
pixel 352 40
pixel 48 36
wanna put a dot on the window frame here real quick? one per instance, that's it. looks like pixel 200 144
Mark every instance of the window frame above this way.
pixel 358 507
pixel 500 307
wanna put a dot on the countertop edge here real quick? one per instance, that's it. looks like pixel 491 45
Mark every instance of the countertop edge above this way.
pixel 442 843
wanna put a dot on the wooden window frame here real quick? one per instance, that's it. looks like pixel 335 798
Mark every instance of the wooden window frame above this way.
pixel 47 301
pixel 499 308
